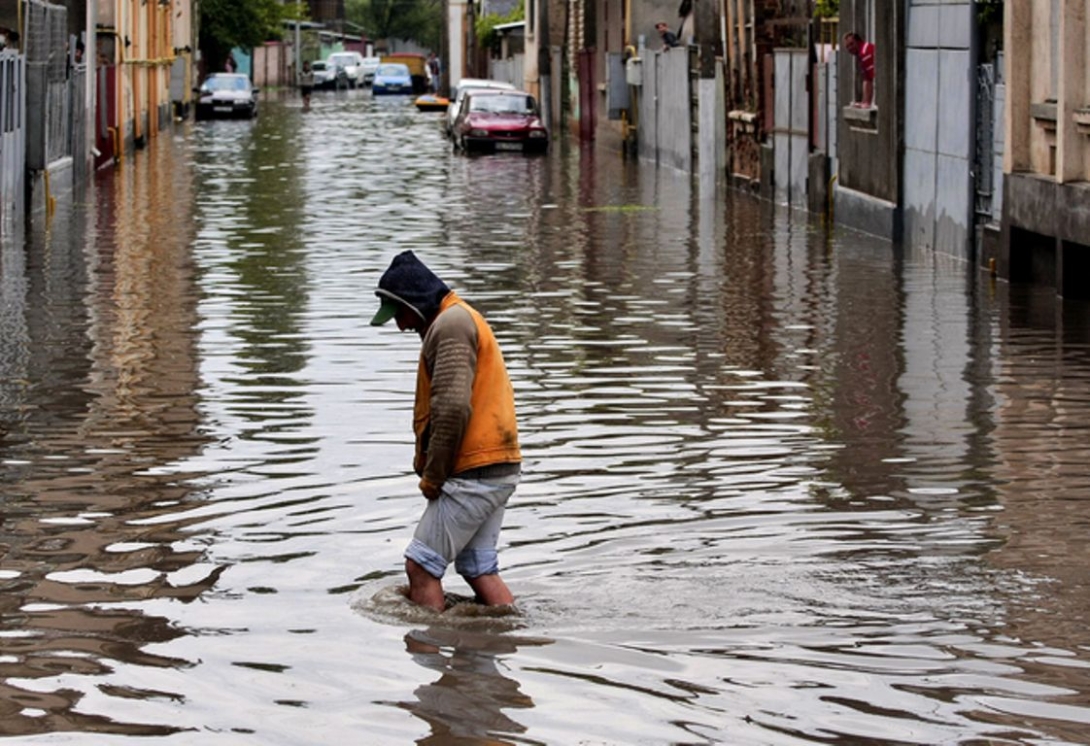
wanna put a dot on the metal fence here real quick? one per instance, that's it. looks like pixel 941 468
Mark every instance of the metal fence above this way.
pixel 12 136
pixel 47 75
pixel 509 70
pixel 983 166
pixel 665 109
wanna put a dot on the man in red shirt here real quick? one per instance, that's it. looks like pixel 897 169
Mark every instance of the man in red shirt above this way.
pixel 864 52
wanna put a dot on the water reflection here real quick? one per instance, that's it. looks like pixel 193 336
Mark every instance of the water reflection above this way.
pixel 99 375
pixel 474 697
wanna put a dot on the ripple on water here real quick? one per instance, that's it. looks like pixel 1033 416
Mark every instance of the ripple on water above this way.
pixel 389 604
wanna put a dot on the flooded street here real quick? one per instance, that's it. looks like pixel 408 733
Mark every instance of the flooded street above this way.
pixel 780 486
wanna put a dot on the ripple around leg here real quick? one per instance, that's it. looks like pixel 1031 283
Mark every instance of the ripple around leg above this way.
pixel 390 604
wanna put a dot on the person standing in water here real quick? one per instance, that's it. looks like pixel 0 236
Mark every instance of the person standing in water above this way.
pixel 467 449
pixel 306 85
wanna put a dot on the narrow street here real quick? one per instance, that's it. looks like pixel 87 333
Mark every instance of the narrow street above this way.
pixel 781 485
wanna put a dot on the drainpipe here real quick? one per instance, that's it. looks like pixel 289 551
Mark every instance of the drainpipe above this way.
pixel 544 63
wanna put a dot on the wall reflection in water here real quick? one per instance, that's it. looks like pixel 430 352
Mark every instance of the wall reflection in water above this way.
pixel 97 389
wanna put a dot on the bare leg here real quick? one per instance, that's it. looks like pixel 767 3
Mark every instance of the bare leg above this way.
pixel 491 590
pixel 424 588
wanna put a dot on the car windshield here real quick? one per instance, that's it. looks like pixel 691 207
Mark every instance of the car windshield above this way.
pixel 343 59
pixel 227 83
pixel 392 69
pixel 499 103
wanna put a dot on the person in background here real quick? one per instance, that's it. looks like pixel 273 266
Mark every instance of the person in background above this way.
pixel 306 85
pixel 435 70
pixel 467 448
pixel 863 51
pixel 669 38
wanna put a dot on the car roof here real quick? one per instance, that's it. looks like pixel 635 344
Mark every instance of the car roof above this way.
pixel 484 83
pixel 476 92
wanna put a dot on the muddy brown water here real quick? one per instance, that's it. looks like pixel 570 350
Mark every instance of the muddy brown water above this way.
pixel 782 485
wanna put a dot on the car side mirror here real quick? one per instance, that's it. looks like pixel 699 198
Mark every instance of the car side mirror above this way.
pixel 257 91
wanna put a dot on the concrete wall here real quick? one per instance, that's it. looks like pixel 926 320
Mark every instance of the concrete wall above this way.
pixel 939 126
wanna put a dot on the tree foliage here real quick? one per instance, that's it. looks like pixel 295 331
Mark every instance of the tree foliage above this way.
pixel 225 24
pixel 990 11
pixel 485 26
pixel 419 20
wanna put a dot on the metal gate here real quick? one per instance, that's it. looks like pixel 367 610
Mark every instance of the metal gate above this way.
pixel 791 126
pixel 984 158
pixel 49 134
pixel 12 136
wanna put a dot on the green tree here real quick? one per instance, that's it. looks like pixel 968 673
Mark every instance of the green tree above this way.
pixel 226 24
pixel 485 26
pixel 419 20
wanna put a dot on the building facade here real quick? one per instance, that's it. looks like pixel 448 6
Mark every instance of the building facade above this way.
pixel 1045 234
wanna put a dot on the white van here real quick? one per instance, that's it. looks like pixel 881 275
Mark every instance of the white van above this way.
pixel 370 66
pixel 351 63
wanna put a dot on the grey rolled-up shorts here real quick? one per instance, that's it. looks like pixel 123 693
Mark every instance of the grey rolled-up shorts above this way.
pixel 462 526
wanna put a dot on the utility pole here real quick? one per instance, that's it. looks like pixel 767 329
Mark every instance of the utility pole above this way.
pixel 544 64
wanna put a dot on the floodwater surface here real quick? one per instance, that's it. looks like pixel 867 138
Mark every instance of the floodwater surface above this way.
pixel 781 485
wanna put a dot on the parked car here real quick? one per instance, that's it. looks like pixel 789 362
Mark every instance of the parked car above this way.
pixel 470 84
pixel 325 75
pixel 226 95
pixel 392 77
pixel 370 66
pixel 418 68
pixel 492 120
pixel 352 65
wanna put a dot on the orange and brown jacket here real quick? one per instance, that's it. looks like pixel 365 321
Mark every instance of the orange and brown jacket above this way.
pixel 464 415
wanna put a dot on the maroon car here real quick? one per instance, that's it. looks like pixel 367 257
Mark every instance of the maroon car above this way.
pixel 493 120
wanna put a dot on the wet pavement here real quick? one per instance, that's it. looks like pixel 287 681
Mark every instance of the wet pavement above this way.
pixel 782 485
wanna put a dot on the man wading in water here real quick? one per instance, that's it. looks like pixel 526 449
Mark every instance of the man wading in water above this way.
pixel 467 450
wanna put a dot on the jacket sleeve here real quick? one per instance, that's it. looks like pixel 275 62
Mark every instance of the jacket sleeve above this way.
pixel 450 352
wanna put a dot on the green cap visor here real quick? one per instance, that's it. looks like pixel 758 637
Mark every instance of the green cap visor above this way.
pixel 386 311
